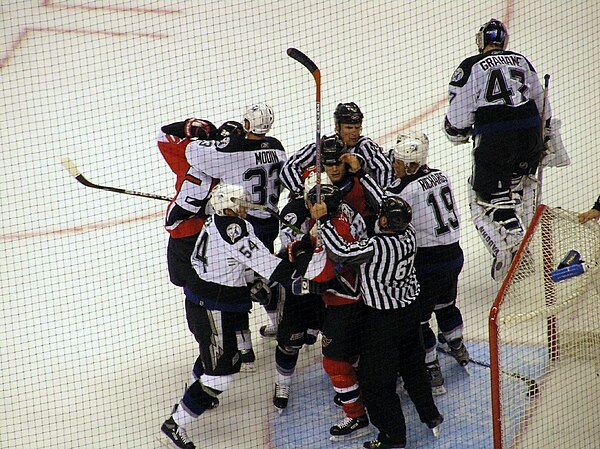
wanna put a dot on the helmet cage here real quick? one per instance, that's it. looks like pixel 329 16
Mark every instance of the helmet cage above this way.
pixel 493 32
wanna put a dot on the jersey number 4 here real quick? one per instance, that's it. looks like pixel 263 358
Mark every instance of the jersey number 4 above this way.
pixel 498 87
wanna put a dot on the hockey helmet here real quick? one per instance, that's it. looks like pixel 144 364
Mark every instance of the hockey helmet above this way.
pixel 411 146
pixel 348 113
pixel 492 32
pixel 330 195
pixel 224 196
pixel 397 212
pixel 258 118
pixel 332 147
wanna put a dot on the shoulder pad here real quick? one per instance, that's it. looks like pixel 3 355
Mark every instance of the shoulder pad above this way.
pixel 231 229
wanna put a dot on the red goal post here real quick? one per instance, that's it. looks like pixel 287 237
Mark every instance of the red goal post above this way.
pixel 545 339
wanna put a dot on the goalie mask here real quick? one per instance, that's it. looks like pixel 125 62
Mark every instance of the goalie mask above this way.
pixel 348 113
pixel 411 146
pixel 258 118
pixel 224 197
pixel 397 212
pixel 492 33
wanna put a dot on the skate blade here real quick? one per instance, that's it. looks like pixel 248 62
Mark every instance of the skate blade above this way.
pixel 279 410
pixel 438 391
pixel 356 434
pixel 165 441
pixel 467 369
pixel 436 431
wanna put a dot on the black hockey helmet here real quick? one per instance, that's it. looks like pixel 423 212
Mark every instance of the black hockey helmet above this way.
pixel 492 32
pixel 348 113
pixel 397 211
pixel 330 195
pixel 332 147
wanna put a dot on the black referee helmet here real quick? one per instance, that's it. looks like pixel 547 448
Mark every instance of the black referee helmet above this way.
pixel 397 212
pixel 348 113
pixel 332 147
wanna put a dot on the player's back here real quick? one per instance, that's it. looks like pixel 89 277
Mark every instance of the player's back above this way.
pixel 255 164
pixel 435 218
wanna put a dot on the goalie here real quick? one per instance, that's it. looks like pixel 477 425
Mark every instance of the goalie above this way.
pixel 497 100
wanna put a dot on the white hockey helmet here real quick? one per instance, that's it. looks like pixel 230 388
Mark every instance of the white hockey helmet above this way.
pixel 258 118
pixel 411 146
pixel 224 196
pixel 311 181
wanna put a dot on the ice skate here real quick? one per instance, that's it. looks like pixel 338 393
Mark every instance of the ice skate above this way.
pixel 268 331
pixel 176 434
pixel 248 358
pixel 456 348
pixel 436 425
pixel 349 428
pixel 311 336
pixel 281 397
pixel 436 379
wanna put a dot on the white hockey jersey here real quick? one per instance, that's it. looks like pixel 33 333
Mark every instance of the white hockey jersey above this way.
pixel 435 215
pixel 254 164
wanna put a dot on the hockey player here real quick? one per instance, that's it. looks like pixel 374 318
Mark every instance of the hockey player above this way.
pixel 348 125
pixel 390 337
pixel 226 247
pixel 186 213
pixel 343 308
pixel 439 258
pixel 248 157
pixel 496 98
pixel 300 318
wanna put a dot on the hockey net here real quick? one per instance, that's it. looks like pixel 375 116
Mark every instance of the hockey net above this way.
pixel 545 340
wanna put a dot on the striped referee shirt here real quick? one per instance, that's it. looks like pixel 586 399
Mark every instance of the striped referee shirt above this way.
pixel 375 158
pixel 385 264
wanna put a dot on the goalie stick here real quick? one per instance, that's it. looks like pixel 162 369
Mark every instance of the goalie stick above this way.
pixel 540 172
pixel 532 386
pixel 296 54
pixel 71 167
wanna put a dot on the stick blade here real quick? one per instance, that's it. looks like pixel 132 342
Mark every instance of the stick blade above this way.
pixel 70 166
pixel 296 54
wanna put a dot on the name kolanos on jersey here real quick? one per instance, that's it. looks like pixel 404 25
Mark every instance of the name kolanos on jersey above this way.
pixel 432 180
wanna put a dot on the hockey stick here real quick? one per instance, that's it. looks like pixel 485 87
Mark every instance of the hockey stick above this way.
pixel 70 166
pixel 316 73
pixel 532 386
pixel 540 173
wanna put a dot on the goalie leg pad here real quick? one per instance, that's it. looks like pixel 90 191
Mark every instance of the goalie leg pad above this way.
pixel 497 224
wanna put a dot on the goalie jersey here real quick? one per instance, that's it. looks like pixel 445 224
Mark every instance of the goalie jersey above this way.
pixel 495 92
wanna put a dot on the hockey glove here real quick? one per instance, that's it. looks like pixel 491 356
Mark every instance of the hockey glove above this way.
pixel 455 135
pixel 195 128
pixel 260 292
